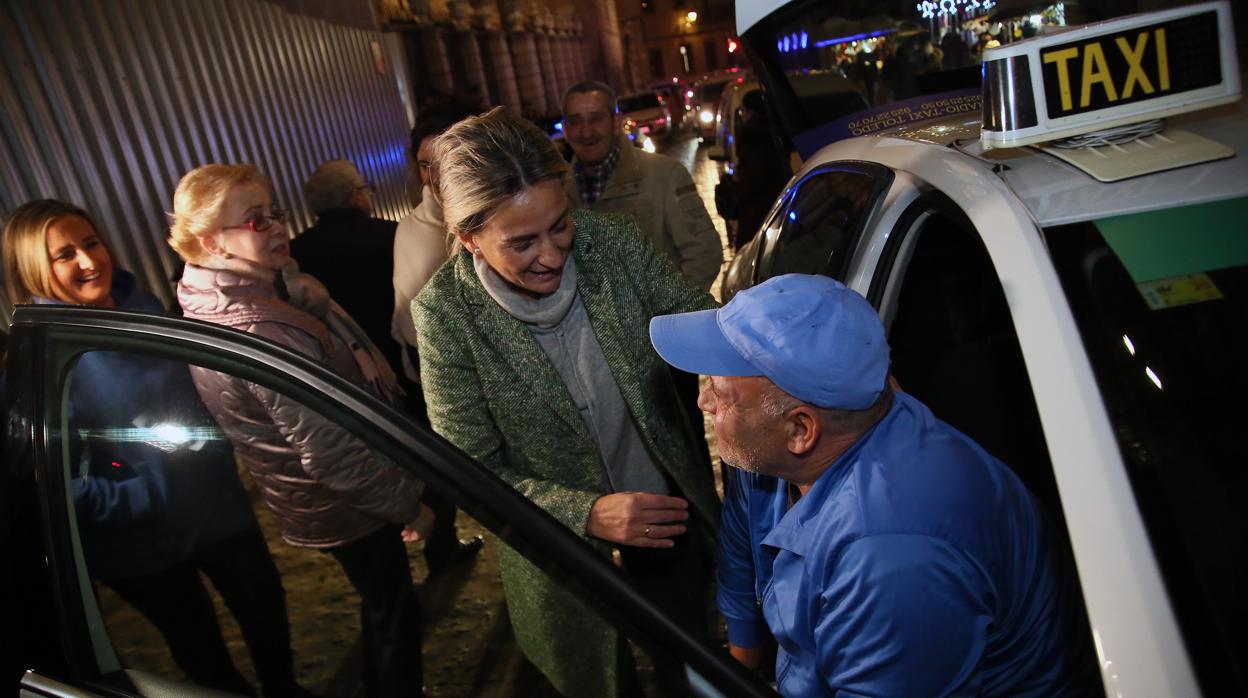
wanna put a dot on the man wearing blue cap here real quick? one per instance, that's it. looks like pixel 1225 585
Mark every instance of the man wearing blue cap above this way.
pixel 887 552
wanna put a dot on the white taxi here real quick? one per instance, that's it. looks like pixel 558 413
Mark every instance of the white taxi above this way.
pixel 1061 260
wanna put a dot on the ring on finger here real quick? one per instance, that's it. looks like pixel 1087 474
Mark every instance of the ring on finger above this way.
pixel 646 532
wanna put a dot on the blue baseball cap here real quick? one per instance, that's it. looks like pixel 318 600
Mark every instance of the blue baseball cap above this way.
pixel 817 340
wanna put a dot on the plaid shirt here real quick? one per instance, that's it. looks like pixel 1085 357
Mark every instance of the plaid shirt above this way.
pixel 591 185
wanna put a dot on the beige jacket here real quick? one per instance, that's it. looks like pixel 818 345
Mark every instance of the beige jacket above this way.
pixel 421 245
pixel 660 194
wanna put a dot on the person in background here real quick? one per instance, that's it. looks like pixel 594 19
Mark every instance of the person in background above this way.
pixel 985 42
pixel 611 176
pixel 349 250
pixel 655 189
pixel 352 253
pixel 898 77
pixel 887 553
pixel 327 490
pixel 421 245
pixel 534 360
pixel 422 242
pixel 866 74
pixel 954 51
pixel 152 518
pixel 762 170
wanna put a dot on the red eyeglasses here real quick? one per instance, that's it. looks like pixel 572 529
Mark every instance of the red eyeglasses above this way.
pixel 261 223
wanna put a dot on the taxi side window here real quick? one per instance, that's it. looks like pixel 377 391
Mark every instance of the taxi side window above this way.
pixel 819 225
pixel 954 347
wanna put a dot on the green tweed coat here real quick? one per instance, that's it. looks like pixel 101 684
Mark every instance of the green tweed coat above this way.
pixel 492 391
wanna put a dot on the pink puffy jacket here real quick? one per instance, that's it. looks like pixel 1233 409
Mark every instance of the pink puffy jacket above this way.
pixel 325 486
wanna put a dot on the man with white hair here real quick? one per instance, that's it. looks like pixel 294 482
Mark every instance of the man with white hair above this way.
pixel 352 253
pixel 349 251
pixel 887 552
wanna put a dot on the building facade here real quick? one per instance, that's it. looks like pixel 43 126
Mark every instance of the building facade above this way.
pixel 520 54
pixel 680 39
pixel 107 105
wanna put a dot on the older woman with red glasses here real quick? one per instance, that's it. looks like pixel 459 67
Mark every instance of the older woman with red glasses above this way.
pixel 327 490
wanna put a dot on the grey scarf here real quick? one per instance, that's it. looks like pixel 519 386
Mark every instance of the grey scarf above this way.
pixel 544 313
pixel 560 324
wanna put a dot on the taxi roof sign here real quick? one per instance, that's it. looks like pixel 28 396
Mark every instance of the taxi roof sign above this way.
pixel 1107 74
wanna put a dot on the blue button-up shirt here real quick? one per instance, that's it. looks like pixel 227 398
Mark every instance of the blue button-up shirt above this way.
pixel 917 565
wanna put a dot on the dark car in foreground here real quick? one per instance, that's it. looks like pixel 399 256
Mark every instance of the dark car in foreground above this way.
pixel 65 635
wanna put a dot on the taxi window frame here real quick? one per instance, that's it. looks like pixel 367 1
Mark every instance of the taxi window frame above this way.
pixel 884 291
pixel 882 179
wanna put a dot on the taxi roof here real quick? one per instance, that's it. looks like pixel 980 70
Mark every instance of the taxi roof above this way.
pixel 1057 193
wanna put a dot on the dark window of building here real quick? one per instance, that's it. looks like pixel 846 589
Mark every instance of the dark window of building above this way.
pixel 712 56
pixel 492 94
pixel 656 63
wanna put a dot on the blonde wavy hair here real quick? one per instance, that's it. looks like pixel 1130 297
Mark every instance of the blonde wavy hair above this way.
pixel 198 202
pixel 485 161
pixel 27 267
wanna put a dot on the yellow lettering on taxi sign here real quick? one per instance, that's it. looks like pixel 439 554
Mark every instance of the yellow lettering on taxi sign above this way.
pixel 1115 72
pixel 1135 72
pixel 1107 71
pixel 1095 70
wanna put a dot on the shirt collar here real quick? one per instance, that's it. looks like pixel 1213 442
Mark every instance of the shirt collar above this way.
pixel 590 186
pixel 605 166
pixel 789 533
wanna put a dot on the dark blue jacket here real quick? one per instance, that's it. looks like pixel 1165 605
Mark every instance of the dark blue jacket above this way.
pixel 153 479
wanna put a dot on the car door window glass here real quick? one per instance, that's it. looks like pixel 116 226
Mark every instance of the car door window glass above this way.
pixel 183 546
pixel 185 549
pixel 1163 313
pixel 819 225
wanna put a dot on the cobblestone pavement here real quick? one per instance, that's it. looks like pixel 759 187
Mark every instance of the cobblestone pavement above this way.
pixel 705 176
pixel 468 648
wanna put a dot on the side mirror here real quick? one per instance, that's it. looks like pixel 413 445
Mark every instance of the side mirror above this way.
pixel 717 154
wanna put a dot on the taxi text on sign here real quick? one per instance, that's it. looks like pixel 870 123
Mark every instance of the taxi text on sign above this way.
pixel 1131 66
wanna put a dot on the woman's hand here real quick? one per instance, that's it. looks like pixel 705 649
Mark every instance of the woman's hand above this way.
pixel 419 529
pixel 638 519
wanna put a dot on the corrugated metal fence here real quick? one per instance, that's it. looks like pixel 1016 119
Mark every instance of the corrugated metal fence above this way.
pixel 107 103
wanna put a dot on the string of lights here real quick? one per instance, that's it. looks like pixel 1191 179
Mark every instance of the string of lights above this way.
pixel 930 9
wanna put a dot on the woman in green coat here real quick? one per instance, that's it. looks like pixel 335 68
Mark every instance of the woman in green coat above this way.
pixel 535 359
